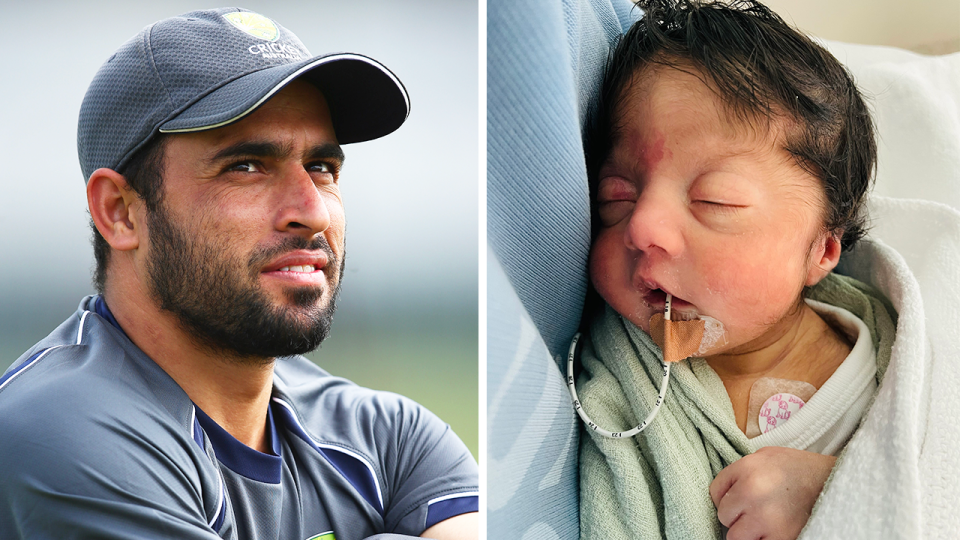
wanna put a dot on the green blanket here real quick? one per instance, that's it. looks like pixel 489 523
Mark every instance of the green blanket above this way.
pixel 656 485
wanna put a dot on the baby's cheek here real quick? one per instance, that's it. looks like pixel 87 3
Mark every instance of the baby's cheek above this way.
pixel 611 269
pixel 722 270
pixel 606 264
pixel 597 264
pixel 744 294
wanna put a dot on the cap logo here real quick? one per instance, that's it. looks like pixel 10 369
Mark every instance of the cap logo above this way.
pixel 254 24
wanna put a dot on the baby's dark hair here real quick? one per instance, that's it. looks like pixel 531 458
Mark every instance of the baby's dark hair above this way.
pixel 762 68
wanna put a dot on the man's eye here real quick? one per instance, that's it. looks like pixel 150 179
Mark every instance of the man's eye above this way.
pixel 244 166
pixel 325 172
pixel 323 167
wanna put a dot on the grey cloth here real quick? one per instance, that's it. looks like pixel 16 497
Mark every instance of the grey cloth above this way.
pixel 99 442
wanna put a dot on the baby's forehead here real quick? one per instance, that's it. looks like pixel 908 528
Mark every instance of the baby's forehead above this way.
pixel 662 91
pixel 680 101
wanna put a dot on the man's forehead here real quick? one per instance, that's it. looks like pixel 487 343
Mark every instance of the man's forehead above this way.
pixel 300 97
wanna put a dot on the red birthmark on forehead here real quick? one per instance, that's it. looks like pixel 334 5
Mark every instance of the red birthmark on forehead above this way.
pixel 647 153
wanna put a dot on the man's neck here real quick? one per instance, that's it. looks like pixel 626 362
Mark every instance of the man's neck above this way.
pixel 233 391
pixel 801 348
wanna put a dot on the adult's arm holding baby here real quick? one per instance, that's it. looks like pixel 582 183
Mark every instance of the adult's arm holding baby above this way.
pixel 770 494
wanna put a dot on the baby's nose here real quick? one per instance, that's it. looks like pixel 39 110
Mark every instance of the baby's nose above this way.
pixel 655 225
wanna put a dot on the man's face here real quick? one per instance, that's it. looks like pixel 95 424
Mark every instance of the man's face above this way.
pixel 695 204
pixel 247 246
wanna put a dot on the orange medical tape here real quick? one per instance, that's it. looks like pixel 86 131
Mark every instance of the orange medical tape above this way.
pixel 678 339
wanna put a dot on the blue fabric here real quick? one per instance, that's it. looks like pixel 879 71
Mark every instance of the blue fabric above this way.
pixel 100 308
pixel 356 473
pixel 544 62
pixel 449 508
pixel 348 466
pixel 532 440
pixel 197 432
pixel 239 457
pixel 17 369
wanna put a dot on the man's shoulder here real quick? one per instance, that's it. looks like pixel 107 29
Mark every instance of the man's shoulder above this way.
pixel 86 382
pixel 387 430
pixel 321 400
pixel 97 429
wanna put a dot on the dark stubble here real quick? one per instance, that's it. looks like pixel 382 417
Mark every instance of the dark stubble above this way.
pixel 217 299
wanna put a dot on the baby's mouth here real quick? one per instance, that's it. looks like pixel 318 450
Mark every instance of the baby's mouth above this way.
pixel 656 298
pixel 682 310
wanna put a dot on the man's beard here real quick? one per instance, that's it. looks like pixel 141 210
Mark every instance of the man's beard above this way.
pixel 217 298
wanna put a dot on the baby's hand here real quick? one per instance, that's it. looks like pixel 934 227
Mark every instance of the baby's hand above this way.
pixel 770 494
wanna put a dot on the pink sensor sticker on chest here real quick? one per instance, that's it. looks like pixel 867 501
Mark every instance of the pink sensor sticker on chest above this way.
pixel 777 409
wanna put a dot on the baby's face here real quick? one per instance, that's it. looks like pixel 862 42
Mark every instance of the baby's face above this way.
pixel 712 211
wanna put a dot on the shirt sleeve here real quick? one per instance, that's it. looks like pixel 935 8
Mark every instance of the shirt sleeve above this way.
pixel 431 475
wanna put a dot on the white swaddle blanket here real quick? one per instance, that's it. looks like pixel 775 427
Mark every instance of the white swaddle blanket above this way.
pixel 899 477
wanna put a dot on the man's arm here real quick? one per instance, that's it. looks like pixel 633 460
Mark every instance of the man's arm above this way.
pixel 426 475
pixel 431 477
pixel 462 527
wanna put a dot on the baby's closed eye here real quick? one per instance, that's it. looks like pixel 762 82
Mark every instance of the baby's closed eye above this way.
pixel 723 189
pixel 616 197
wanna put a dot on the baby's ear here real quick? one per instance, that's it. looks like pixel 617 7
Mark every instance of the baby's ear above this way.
pixel 824 256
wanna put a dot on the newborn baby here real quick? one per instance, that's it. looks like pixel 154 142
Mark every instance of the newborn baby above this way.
pixel 715 212
pixel 730 159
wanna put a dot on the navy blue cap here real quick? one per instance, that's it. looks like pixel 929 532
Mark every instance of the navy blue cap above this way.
pixel 206 69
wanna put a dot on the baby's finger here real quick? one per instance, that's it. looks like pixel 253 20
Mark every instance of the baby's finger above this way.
pixel 730 509
pixel 723 482
pixel 745 529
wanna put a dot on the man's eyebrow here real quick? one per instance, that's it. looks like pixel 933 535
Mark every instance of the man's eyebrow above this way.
pixel 264 149
pixel 326 151
pixel 267 149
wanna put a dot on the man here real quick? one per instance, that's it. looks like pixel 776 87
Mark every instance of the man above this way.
pixel 174 403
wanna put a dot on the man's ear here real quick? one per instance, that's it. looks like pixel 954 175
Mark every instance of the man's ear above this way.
pixel 114 207
pixel 825 254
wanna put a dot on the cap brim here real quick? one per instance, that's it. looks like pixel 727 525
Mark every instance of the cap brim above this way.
pixel 366 100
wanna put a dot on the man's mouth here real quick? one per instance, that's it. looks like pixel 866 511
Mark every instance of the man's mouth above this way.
pixel 303 268
pixel 299 262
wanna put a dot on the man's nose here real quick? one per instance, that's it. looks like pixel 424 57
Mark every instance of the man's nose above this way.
pixel 303 208
pixel 655 224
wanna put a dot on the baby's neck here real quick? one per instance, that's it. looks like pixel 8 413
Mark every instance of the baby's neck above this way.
pixel 801 348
